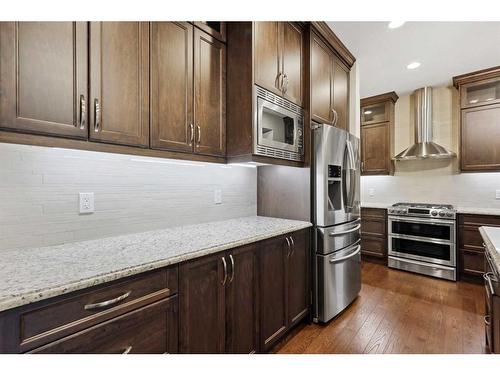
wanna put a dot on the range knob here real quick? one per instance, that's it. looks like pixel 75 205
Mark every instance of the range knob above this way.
pixel 441 213
pixel 449 214
pixel 391 210
pixel 434 213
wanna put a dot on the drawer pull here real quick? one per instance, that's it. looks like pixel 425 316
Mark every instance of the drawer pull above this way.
pixel 487 278
pixel 354 229
pixel 127 350
pixel 109 302
pixel 487 320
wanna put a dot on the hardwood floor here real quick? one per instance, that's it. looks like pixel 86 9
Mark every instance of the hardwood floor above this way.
pixel 400 312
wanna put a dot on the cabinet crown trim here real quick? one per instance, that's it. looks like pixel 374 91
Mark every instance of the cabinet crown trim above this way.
pixel 326 32
pixel 478 75
pixel 380 98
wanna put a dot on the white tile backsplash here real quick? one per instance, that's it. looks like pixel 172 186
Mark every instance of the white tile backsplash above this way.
pixel 39 189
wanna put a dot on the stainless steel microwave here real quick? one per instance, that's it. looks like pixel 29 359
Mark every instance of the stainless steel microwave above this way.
pixel 279 127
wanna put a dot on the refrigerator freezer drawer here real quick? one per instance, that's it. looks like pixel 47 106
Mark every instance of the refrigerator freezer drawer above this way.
pixel 338 281
pixel 334 238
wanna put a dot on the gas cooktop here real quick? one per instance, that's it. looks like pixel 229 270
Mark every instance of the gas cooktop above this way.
pixel 423 210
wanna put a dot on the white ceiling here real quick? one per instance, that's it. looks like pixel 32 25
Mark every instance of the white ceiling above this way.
pixel 444 49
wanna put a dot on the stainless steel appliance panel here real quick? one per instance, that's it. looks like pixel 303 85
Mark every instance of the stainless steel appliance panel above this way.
pixel 336 176
pixel 443 272
pixel 331 239
pixel 338 281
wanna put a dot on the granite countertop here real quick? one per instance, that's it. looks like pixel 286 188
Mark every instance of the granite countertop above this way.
pixel 491 238
pixel 36 274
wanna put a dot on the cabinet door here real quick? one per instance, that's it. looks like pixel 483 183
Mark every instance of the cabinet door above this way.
pixel 375 149
pixel 481 138
pixel 321 80
pixel 172 86
pixel 202 305
pixel 119 82
pixel 272 291
pixel 209 94
pixel 341 94
pixel 292 53
pixel 241 301
pixel 43 77
pixel 267 59
pixel 299 297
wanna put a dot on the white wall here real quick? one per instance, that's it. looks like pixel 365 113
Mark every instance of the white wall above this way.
pixel 354 110
pixel 39 189
pixel 432 181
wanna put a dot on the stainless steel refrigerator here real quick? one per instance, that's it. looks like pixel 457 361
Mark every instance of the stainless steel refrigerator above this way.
pixel 327 194
pixel 336 217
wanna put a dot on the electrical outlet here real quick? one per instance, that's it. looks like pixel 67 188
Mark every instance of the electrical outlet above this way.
pixel 371 192
pixel 497 194
pixel 86 203
pixel 218 196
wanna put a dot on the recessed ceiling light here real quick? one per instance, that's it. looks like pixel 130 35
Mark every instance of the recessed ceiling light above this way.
pixel 395 24
pixel 413 65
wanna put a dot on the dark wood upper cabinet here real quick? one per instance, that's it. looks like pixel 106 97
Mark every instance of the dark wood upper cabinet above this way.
pixel 321 80
pixel 329 85
pixel 267 55
pixel 202 305
pixel 242 301
pixel 215 28
pixel 479 119
pixel 292 61
pixel 273 291
pixel 377 134
pixel 172 86
pixel 209 95
pixel 341 94
pixel 43 77
pixel 279 58
pixel 298 288
pixel 119 82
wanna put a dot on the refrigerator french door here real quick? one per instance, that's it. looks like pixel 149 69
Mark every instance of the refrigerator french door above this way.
pixel 336 206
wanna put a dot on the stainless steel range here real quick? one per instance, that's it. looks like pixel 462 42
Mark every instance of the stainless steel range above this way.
pixel 422 239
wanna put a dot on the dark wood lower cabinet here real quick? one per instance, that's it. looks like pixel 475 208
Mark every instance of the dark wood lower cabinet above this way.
pixel 242 300
pixel 374 234
pixel 151 329
pixel 202 305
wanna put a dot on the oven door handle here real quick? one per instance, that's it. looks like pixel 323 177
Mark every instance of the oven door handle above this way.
pixel 421 239
pixel 430 221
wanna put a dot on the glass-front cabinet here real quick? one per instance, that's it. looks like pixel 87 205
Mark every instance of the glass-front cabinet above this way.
pixel 481 93
pixel 374 113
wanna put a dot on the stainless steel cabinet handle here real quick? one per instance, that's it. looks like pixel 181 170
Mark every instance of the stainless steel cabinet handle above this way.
pixel 224 264
pixel 107 303
pixel 293 245
pixel 487 278
pixel 285 83
pixel 279 81
pixel 335 117
pixel 191 137
pixel 487 320
pixel 127 350
pixel 345 231
pixel 83 112
pixel 97 115
pixel 199 134
pixel 232 268
pixel 288 245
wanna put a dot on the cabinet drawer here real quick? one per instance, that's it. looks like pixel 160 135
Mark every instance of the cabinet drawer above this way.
pixel 470 238
pixel 150 329
pixel 472 262
pixel 69 314
pixel 373 246
pixel 374 227
pixel 373 213
pixel 479 220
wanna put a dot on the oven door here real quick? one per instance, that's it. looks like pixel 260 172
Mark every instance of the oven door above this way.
pixel 425 229
pixel 277 127
pixel 426 250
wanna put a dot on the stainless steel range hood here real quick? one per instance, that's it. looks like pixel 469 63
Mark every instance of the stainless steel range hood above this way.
pixel 424 147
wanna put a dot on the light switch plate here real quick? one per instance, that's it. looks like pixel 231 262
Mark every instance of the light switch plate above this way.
pixel 497 194
pixel 218 196
pixel 86 203
pixel 371 192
